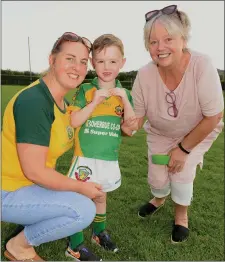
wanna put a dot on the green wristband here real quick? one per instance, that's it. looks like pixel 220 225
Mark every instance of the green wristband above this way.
pixel 160 159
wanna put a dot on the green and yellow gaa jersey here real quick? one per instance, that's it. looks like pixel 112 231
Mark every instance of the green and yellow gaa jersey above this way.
pixel 100 136
pixel 33 117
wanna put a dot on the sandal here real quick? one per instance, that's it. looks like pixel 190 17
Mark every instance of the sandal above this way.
pixel 16 231
pixel 12 258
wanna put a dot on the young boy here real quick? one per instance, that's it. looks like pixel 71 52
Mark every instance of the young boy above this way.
pixel 98 110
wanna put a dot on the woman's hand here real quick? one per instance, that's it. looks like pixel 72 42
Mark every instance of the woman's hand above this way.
pixel 177 160
pixel 91 190
pixel 33 160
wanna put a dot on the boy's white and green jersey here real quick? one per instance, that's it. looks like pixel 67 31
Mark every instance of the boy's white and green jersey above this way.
pixel 100 136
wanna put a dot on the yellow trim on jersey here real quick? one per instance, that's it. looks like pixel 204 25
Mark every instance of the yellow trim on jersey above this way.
pixel 105 108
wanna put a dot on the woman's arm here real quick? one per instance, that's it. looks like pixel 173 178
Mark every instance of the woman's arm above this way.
pixel 196 136
pixel 33 124
pixel 201 131
pixel 32 160
pixel 211 101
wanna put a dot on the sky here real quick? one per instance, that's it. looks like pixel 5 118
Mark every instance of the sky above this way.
pixel 44 21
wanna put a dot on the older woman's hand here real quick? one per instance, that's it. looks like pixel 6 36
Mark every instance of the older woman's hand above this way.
pixel 177 160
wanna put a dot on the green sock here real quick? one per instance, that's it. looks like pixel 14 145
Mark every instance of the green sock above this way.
pixel 76 239
pixel 99 223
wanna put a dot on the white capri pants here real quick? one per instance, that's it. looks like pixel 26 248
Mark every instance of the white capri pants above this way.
pixel 180 184
pixel 181 194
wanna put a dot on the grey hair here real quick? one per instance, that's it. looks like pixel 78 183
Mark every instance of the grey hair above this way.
pixel 172 24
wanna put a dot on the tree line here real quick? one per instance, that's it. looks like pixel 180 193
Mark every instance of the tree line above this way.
pixel 123 76
pixel 13 77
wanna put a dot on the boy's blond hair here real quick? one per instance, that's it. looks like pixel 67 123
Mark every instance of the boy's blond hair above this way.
pixel 107 40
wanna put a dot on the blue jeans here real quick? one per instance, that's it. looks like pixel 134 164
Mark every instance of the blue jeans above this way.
pixel 46 214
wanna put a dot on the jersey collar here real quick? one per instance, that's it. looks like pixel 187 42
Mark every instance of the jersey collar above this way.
pixel 95 83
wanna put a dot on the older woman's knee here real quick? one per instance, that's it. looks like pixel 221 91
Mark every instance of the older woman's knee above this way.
pixel 181 193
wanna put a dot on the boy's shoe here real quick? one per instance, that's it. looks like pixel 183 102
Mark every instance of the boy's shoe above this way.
pixel 103 240
pixel 81 253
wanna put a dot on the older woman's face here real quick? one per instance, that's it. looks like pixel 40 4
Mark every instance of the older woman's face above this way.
pixel 70 64
pixel 165 50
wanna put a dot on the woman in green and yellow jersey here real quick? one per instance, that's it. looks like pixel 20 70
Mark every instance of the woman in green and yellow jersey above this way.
pixel 36 132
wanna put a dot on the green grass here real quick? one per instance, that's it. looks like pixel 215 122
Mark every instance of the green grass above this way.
pixel 150 239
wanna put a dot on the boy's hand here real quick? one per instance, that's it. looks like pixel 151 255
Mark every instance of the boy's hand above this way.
pixel 131 123
pixel 129 126
pixel 118 92
pixel 100 95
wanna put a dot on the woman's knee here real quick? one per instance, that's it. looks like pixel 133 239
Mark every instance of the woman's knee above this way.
pixel 89 211
pixel 161 192
pixel 84 209
pixel 182 194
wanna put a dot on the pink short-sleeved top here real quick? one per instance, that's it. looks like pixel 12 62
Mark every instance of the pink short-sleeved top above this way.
pixel 198 94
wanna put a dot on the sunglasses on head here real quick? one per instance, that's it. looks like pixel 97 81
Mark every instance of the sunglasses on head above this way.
pixel 168 10
pixel 69 36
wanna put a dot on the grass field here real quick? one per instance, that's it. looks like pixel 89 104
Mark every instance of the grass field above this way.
pixel 150 239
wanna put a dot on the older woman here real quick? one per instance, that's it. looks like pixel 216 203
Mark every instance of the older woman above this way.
pixel 36 132
pixel 180 94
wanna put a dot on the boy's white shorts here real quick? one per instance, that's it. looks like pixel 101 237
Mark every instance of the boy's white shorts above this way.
pixel 103 172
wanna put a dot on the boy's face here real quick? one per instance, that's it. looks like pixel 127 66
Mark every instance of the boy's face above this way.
pixel 108 63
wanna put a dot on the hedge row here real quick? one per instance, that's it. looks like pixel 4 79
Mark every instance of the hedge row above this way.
pixel 26 80
pixel 17 79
